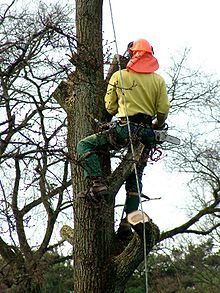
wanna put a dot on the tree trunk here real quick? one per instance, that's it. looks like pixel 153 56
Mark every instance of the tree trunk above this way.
pixel 93 223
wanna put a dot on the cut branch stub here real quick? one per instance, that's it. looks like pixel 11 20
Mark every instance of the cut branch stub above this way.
pixel 114 66
pixel 64 94
pixel 67 233
pixel 140 221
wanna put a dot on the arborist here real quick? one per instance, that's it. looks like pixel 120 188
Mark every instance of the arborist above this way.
pixel 136 93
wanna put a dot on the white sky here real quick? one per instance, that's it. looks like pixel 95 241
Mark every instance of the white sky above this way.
pixel 170 26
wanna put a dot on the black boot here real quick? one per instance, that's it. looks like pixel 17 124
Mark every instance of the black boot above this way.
pixel 124 232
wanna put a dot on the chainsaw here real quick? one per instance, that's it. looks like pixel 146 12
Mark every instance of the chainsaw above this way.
pixel 163 136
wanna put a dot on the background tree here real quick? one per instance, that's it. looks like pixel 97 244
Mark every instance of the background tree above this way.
pixel 32 140
pixel 190 268
pixel 197 93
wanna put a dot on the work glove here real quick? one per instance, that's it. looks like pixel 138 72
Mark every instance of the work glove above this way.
pixel 156 127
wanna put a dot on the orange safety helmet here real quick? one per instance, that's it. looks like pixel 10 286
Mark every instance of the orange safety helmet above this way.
pixel 142 59
pixel 141 45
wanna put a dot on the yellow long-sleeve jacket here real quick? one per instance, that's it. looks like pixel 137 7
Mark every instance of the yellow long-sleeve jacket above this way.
pixel 143 93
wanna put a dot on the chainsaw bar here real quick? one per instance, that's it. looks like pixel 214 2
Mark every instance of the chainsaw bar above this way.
pixel 162 136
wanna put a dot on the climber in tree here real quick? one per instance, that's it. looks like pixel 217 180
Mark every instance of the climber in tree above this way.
pixel 139 95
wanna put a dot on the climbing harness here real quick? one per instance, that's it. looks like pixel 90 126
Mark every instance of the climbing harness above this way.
pixel 153 155
pixel 161 135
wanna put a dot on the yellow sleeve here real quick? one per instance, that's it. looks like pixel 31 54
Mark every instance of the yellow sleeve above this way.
pixel 111 98
pixel 163 105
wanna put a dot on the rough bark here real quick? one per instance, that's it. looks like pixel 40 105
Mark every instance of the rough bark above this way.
pixel 93 224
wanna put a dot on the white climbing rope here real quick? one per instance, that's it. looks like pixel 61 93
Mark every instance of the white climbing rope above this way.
pixel 132 149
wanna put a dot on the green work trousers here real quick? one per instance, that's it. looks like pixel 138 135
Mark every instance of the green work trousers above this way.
pixel 88 150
